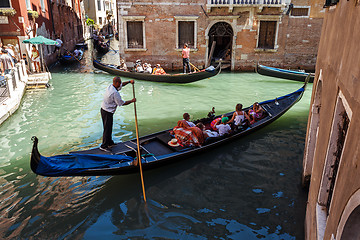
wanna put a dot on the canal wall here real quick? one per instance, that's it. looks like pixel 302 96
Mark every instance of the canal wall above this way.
pixel 12 89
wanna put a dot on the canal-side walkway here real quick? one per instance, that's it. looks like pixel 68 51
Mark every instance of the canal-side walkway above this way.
pixel 12 89
pixel 13 86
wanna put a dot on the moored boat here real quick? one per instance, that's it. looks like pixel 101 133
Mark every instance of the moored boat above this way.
pixel 155 149
pixel 283 73
pixel 82 45
pixel 168 78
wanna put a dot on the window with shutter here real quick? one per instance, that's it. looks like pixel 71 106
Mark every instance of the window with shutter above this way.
pixel 299 12
pixel 186 33
pixel 135 34
pixel 267 34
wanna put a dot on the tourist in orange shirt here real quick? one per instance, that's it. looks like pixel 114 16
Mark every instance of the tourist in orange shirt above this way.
pixel 159 70
pixel 186 55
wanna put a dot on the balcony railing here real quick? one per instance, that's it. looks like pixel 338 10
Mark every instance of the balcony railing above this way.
pixel 243 3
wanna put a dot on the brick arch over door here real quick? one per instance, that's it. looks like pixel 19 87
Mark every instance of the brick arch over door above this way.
pixel 220 44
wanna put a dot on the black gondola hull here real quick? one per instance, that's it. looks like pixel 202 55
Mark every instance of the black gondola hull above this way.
pixel 282 73
pixel 159 153
pixel 168 78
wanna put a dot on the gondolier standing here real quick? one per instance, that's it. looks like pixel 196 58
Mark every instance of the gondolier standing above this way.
pixel 186 55
pixel 112 99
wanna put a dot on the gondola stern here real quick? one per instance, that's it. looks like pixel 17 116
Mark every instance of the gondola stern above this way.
pixel 35 154
pixel 256 67
pixel 307 79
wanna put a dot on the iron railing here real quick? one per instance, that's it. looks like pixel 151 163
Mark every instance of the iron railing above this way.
pixel 4 88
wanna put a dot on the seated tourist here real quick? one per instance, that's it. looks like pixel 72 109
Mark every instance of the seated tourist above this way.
pixel 216 120
pixel 159 70
pixel 122 65
pixel 188 136
pixel 223 127
pixel 186 117
pixel 239 117
pixel 207 132
pixel 147 68
pixel 256 113
pixel 77 53
pixel 139 68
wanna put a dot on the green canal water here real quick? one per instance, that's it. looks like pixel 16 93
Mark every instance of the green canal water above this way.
pixel 248 189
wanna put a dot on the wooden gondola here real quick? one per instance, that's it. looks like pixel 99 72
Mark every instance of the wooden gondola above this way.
pixel 83 46
pixel 155 150
pixel 283 73
pixel 168 78
pixel 102 48
pixel 67 59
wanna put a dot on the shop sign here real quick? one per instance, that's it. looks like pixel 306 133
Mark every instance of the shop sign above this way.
pixel 4 20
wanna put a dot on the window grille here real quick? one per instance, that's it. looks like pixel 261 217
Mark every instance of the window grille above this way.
pixel 298 12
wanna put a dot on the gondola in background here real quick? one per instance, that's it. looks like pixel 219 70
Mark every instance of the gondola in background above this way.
pixel 283 73
pixel 168 78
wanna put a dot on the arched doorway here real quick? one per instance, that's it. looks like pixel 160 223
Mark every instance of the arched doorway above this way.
pixel 352 226
pixel 220 43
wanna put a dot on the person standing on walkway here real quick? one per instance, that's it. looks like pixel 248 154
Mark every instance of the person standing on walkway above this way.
pixel 5 62
pixel 112 99
pixel 186 55
pixel 35 58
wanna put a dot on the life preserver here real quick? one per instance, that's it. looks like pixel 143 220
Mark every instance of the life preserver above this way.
pixel 212 124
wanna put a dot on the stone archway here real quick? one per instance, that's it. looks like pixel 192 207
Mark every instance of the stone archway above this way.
pixel 352 226
pixel 349 225
pixel 221 34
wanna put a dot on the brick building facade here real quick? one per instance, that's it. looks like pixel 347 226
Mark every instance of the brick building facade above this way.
pixel 276 33
pixel 20 20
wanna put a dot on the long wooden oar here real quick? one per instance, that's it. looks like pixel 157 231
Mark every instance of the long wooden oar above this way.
pixel 195 68
pixel 72 55
pixel 138 146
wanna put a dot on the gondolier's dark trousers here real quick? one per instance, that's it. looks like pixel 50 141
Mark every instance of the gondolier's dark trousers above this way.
pixel 107 119
pixel 186 64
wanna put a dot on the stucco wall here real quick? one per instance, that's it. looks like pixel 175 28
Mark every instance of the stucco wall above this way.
pixel 338 60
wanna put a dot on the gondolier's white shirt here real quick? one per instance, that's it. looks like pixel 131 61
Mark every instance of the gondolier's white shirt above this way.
pixel 112 99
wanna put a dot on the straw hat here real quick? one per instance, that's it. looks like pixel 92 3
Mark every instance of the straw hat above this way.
pixel 173 142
